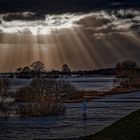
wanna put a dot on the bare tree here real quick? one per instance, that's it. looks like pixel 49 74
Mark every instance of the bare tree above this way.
pixel 127 73
pixel 19 70
pixel 38 67
pixel 66 70
pixel 4 90
pixel 26 69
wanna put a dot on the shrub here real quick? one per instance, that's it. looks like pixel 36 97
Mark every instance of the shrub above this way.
pixel 4 90
pixel 128 74
pixel 43 97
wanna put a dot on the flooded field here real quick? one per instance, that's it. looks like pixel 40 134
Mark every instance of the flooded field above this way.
pixel 101 113
pixel 81 83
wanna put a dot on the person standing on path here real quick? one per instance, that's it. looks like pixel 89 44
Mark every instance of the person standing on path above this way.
pixel 84 104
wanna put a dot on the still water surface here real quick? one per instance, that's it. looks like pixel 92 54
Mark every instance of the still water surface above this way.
pixel 101 113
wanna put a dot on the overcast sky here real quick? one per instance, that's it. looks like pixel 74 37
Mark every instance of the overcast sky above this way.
pixel 55 6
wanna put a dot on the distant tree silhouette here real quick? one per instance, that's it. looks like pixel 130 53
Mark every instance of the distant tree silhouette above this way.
pixel 26 72
pixel 126 68
pixel 127 73
pixel 19 70
pixel 26 69
pixel 66 70
pixel 37 68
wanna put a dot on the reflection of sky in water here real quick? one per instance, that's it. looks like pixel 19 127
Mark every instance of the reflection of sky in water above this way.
pixel 81 83
pixel 100 113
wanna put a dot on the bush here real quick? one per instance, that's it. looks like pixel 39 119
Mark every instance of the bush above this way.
pixel 4 91
pixel 43 97
pixel 46 106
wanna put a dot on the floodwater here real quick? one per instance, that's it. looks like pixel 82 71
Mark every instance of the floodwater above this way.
pixel 81 83
pixel 95 83
pixel 100 113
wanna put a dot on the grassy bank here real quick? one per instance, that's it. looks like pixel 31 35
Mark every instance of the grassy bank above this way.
pixel 127 128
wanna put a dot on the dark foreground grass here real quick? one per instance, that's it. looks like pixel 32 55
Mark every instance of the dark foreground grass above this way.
pixel 127 128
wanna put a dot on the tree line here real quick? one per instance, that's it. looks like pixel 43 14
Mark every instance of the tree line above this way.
pixel 38 70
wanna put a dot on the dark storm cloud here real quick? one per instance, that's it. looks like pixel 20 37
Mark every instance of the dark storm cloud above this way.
pixel 103 23
pixel 99 23
pixel 59 6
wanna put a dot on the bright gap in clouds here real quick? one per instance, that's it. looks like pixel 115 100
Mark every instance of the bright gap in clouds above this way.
pixel 40 27
pixel 120 20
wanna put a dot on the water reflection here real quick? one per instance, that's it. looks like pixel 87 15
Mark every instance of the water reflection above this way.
pixel 101 113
